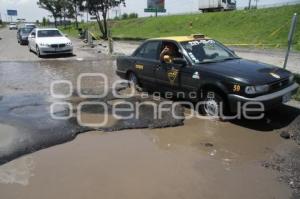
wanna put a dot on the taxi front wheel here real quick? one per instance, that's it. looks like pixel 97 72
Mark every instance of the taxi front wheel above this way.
pixel 213 105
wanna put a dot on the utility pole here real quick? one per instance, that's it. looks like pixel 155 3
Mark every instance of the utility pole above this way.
pixel 110 40
pixel 290 39
pixel 256 4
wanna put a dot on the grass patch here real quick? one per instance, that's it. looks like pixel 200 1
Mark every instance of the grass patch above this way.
pixel 73 32
pixel 69 30
pixel 262 26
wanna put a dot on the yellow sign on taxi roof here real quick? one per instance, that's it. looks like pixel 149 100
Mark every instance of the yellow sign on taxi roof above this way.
pixel 182 38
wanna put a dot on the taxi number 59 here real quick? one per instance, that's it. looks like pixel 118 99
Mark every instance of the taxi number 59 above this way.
pixel 236 88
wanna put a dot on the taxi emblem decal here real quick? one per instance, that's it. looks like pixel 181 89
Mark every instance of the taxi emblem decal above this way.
pixel 172 75
pixel 275 75
pixel 139 67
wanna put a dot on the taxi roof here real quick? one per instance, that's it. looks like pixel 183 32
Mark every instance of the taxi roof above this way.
pixel 178 38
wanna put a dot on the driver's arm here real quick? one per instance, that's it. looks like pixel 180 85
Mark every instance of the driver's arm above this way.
pixel 163 53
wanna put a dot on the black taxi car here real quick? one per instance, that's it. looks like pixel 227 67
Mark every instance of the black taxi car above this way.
pixel 204 65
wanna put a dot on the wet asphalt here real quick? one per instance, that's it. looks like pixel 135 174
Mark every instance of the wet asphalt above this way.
pixel 25 99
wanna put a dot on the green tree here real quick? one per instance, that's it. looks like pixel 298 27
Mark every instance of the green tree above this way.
pixel 73 9
pixel 55 7
pixel 100 9
pixel 133 15
pixel 44 21
pixel 65 4
pixel 125 16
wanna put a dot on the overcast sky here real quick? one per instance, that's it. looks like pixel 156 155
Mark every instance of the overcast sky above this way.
pixel 29 10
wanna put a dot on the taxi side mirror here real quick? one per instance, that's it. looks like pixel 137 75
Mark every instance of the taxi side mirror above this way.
pixel 180 61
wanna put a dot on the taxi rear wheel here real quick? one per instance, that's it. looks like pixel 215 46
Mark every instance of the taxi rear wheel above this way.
pixel 133 80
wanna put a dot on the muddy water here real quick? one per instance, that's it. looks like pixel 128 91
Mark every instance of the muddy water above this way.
pixel 199 160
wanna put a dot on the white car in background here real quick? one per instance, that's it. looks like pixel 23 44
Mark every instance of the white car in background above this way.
pixel 13 26
pixel 49 41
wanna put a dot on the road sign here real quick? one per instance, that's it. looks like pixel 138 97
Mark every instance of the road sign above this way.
pixel 156 6
pixel 12 12
pixel 162 10
pixel 159 4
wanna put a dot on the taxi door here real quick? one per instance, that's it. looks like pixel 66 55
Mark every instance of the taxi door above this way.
pixel 145 62
pixel 168 76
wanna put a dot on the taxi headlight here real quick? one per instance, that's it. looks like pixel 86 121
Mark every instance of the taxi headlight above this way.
pixel 69 44
pixel 250 90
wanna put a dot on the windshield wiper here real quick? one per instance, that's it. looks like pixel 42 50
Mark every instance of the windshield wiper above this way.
pixel 231 58
pixel 219 60
pixel 209 62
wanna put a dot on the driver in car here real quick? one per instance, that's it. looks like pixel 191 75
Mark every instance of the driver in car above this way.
pixel 169 52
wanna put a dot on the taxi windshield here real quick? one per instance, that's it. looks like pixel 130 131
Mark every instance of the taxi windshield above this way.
pixel 207 51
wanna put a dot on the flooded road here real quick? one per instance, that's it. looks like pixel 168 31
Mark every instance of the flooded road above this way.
pixel 195 158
